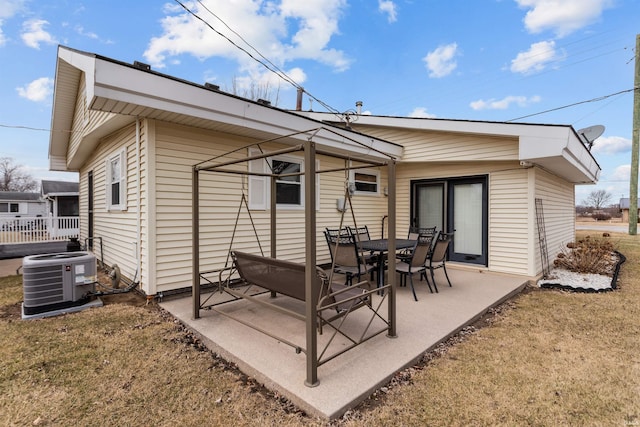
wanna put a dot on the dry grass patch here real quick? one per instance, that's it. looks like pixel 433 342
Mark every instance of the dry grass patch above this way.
pixel 546 358
pixel 120 365
pixel 549 358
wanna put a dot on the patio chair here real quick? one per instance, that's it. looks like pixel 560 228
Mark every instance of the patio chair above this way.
pixel 414 234
pixel 438 258
pixel 345 255
pixel 361 234
pixel 416 263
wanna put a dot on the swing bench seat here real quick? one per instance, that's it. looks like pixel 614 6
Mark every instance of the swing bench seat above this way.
pixel 288 278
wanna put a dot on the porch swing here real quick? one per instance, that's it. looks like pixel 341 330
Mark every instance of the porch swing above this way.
pixel 247 276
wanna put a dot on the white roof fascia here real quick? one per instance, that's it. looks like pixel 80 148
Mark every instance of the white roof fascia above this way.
pixel 120 83
pixel 61 117
pixel 537 143
pixel 61 194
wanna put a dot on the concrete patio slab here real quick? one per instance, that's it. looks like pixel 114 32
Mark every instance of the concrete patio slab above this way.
pixel 349 378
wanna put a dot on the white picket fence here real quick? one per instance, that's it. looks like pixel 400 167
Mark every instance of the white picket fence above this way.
pixel 38 229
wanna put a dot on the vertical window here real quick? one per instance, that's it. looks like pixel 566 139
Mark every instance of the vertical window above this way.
pixel 4 207
pixel 116 183
pixel 288 188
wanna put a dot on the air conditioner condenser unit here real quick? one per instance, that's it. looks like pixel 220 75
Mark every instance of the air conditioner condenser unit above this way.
pixel 58 283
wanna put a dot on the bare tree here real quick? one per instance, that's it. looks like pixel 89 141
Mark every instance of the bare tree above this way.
pixel 14 178
pixel 255 91
pixel 598 199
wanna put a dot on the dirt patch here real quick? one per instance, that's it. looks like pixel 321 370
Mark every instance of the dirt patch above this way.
pixel 11 312
pixel 130 298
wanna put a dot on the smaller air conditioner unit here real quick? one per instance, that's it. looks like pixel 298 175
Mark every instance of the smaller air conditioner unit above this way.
pixel 58 282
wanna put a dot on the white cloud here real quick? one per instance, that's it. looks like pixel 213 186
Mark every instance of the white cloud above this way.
pixel 621 173
pixel 421 112
pixel 388 7
pixel 536 58
pixel 441 62
pixel 38 90
pixel 561 16
pixel 611 145
pixel 504 103
pixel 281 32
pixel 33 33
pixel 8 8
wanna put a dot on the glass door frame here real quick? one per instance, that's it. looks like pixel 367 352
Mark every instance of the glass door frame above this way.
pixel 448 215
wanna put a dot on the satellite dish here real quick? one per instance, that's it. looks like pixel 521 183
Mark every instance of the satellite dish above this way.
pixel 590 134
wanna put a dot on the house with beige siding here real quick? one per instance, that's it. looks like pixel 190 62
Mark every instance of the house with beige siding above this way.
pixel 481 181
pixel 135 135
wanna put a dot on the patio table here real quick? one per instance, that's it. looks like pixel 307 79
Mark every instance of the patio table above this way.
pixel 381 246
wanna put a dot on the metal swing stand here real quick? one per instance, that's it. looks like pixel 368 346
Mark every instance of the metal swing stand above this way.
pixel 313 312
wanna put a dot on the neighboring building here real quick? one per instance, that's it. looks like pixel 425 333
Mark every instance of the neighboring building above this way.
pixel 62 198
pixel 134 136
pixel 16 204
pixel 624 208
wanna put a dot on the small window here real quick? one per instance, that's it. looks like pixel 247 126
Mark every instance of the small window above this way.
pixel 9 208
pixel 288 188
pixel 366 182
pixel 116 183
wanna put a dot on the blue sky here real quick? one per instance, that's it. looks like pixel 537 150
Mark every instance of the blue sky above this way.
pixel 495 60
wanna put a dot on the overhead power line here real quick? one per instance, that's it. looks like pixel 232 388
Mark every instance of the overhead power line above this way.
pixel 600 98
pixel 265 62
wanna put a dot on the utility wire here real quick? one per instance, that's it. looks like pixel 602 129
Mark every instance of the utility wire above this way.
pixel 573 105
pixel 266 63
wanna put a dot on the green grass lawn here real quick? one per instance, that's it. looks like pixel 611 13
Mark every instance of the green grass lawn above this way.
pixel 546 358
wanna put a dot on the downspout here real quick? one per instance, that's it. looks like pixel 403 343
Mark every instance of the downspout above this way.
pixel 138 242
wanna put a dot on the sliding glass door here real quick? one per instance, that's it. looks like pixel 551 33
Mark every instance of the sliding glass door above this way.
pixel 456 205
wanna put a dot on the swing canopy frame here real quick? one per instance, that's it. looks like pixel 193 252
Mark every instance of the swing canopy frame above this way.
pixel 304 142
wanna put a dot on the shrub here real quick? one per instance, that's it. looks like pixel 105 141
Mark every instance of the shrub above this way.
pixel 588 255
pixel 602 216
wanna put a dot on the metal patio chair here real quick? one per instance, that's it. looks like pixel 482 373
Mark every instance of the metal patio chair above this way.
pixel 345 255
pixel 416 263
pixel 438 258
pixel 361 234
pixel 414 234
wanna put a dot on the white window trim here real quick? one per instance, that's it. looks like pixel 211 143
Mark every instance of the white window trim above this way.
pixel 352 178
pixel 122 205
pixel 291 159
pixel 259 188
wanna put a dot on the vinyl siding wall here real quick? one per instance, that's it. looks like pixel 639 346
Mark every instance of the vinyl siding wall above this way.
pixel 118 229
pixel 558 202
pixel 177 149
pixel 78 120
pixel 509 217
pixel 84 121
pixel 430 146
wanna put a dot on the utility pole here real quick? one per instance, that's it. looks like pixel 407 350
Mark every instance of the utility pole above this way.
pixel 635 146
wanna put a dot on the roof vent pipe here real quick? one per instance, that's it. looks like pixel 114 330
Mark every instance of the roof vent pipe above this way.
pixel 299 98
pixel 359 107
